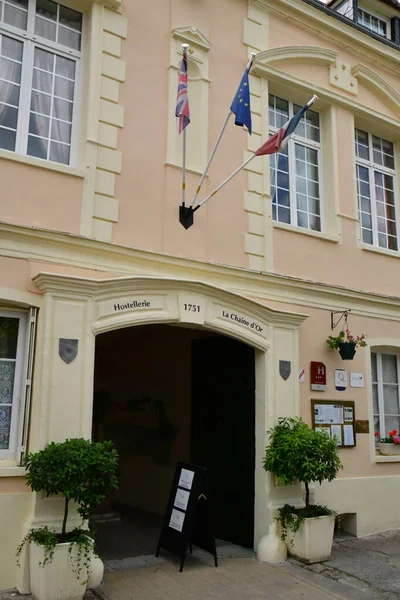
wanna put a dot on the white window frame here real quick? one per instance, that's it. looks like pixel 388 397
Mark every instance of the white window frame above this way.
pixel 292 171
pixel 32 41
pixel 382 429
pixel 20 360
pixel 379 17
pixel 372 167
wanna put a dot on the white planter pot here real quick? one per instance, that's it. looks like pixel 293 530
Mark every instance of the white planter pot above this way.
pixel 313 542
pixel 56 580
pixel 389 449
pixel 96 572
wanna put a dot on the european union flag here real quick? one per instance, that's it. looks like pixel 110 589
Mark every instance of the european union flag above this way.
pixel 241 103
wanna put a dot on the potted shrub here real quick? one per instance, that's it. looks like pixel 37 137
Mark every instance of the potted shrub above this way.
pixel 389 446
pixel 298 453
pixel 82 472
pixel 346 343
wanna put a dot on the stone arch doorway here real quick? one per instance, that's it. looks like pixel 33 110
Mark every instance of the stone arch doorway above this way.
pixel 166 393
pixel 83 308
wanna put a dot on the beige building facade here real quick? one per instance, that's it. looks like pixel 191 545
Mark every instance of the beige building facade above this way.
pixel 91 248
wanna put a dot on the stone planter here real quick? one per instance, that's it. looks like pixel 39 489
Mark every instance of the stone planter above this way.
pixel 56 580
pixel 389 449
pixel 313 542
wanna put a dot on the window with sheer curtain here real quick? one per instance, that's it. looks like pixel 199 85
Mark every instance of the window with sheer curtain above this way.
pixel 40 50
pixel 376 185
pixel 295 172
pixel 12 339
pixel 385 389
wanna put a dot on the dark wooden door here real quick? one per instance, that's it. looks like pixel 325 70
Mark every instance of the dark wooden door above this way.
pixel 223 432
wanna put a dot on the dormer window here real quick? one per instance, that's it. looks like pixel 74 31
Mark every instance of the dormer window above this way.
pixel 372 22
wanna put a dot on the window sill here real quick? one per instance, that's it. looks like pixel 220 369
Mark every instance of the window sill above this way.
pixel 380 458
pixel 370 248
pixel 309 232
pixel 12 471
pixel 42 164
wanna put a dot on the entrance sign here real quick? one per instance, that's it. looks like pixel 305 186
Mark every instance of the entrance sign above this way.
pixel 188 518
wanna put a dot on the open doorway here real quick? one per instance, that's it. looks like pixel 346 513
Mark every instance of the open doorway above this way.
pixel 162 394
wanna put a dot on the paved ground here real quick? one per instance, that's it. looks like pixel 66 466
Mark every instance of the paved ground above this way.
pixel 359 569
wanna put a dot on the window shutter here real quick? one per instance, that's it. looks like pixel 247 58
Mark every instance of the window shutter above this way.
pixel 395 26
pixel 26 386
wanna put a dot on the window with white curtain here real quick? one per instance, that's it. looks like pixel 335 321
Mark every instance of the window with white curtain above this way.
pixel 376 185
pixel 385 392
pixel 295 172
pixel 12 358
pixel 40 51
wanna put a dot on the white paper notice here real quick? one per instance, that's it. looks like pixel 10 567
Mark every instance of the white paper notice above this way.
pixel 338 413
pixel 336 431
pixel 181 499
pixel 176 520
pixel 319 414
pixel 348 435
pixel 348 413
pixel 186 479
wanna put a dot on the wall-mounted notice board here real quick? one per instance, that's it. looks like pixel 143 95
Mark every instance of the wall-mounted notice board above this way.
pixel 336 418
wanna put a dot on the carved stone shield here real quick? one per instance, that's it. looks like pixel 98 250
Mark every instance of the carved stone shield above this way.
pixel 284 369
pixel 68 349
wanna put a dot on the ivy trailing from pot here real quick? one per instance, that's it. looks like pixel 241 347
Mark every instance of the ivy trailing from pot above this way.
pixel 346 343
pixel 80 471
pixel 297 453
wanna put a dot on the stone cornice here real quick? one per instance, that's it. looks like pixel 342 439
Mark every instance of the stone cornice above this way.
pixel 72 250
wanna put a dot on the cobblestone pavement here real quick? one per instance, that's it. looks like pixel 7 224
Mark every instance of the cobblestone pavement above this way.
pixel 370 563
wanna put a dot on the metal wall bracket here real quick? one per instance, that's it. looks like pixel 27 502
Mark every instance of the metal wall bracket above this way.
pixel 343 313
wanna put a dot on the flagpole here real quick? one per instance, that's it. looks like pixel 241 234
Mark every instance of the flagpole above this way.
pixel 221 133
pixel 221 185
pixel 184 51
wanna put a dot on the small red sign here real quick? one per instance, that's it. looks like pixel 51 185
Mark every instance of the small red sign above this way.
pixel 318 376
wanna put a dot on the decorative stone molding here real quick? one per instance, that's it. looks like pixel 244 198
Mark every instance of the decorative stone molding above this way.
pixel 258 241
pixel 340 76
pixel 379 85
pixel 105 117
pixel 313 54
pixel 197 134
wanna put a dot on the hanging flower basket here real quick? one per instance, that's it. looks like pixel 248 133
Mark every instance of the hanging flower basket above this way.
pixel 347 350
pixel 346 343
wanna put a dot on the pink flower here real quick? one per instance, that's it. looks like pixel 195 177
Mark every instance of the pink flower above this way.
pixel 376 434
pixel 396 439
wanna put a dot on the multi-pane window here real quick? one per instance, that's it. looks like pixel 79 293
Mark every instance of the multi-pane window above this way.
pixel 40 43
pixel 12 339
pixel 376 190
pixel 295 172
pixel 385 389
pixel 372 22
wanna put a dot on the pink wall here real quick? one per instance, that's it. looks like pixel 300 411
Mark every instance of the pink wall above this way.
pixel 150 193
pixel 40 197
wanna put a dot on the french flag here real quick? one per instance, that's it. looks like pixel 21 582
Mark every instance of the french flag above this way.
pixel 280 139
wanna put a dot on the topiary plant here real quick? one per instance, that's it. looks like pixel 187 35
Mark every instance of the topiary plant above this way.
pixel 79 470
pixel 298 453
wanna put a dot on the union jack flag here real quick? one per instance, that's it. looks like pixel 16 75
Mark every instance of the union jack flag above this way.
pixel 182 101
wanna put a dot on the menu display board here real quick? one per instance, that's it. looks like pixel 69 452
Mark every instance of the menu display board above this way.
pixel 337 419
pixel 188 518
